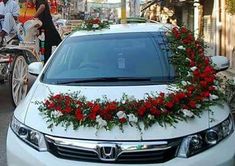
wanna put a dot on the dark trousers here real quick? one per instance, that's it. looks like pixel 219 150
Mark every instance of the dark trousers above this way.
pixel 48 49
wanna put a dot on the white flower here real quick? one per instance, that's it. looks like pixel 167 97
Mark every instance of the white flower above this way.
pixel 56 114
pixel 123 101
pixel 193 68
pixel 187 113
pixel 188 59
pixel 83 26
pixel 132 118
pixel 189 74
pixel 189 83
pixel 198 105
pixel 181 47
pixel 101 122
pixel 95 26
pixel 121 114
pixel 151 117
pixel 213 97
pixel 205 100
pixel 184 83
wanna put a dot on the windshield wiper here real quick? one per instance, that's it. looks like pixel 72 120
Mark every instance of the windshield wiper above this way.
pixel 105 79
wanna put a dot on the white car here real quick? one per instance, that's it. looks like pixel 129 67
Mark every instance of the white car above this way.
pixel 109 65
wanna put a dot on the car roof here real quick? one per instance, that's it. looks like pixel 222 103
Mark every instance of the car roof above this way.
pixel 127 28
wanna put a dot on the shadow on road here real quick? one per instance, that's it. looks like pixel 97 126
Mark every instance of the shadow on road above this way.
pixel 6 110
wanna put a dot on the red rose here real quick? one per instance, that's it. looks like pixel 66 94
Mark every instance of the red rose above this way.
pixel 96 108
pixel 207 61
pixel 192 63
pixel 79 103
pixel 92 116
pixel 96 21
pixel 112 106
pixel 169 104
pixel 154 111
pixel 190 88
pixel 181 95
pixel 199 98
pixel 192 104
pixel 147 105
pixel 196 73
pixel 51 105
pixel 162 95
pixel 90 104
pixel 209 80
pixel 122 120
pixel 190 37
pixel 203 84
pixel 67 109
pixel 206 94
pixel 189 51
pixel 47 103
pixel 183 30
pixel 58 96
pixel 185 107
pixel 58 108
pixel 175 32
pixel 106 115
pixel 79 114
pixel 211 88
pixel 141 111
pixel 185 41
pixel 209 69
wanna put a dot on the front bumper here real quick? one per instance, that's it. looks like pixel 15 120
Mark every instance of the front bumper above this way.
pixel 20 154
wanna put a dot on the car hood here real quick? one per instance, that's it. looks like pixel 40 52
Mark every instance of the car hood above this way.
pixel 34 120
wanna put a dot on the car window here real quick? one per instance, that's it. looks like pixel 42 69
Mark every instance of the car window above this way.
pixel 139 55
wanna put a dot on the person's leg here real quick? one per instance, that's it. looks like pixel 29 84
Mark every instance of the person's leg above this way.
pixel 47 53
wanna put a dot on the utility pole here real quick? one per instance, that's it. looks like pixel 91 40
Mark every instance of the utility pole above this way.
pixel 123 11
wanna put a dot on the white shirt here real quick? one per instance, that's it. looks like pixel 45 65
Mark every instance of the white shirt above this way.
pixel 10 7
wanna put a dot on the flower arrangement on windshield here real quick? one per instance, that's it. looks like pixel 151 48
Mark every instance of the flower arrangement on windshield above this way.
pixel 92 24
pixel 197 90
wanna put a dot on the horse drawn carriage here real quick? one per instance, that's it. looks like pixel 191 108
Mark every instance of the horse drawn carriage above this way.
pixel 19 51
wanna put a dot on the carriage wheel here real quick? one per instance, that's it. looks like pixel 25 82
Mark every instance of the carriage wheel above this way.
pixel 19 79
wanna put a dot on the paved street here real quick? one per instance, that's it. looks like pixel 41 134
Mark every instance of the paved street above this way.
pixel 6 110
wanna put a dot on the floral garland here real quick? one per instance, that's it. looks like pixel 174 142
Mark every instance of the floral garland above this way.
pixel 92 24
pixel 197 90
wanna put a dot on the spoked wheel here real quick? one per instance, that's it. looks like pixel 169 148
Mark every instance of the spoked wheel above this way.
pixel 19 79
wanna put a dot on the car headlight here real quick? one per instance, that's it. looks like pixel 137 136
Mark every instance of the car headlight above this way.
pixel 28 135
pixel 201 141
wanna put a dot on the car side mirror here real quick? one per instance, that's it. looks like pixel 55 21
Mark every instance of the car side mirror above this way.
pixel 220 63
pixel 35 68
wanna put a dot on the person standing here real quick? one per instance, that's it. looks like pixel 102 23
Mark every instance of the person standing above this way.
pixel 52 37
pixel 9 12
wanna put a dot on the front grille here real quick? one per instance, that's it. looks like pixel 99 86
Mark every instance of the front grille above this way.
pixel 158 154
pixel 73 154
pixel 147 157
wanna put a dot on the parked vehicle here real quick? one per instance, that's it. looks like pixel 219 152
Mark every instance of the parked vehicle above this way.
pixel 110 64
pixel 15 56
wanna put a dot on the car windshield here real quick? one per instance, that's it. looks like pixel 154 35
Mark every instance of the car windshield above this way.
pixel 118 57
